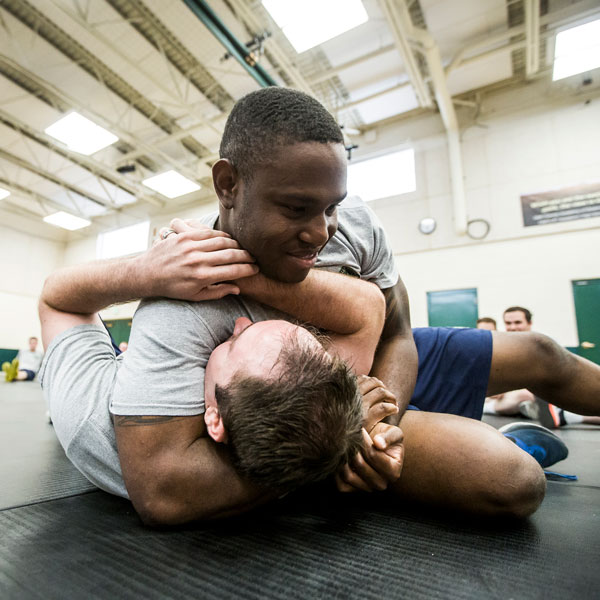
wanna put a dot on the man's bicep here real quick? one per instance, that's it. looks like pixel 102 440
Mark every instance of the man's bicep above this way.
pixel 174 473
pixel 151 449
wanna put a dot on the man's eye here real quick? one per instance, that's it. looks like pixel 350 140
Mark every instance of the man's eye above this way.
pixel 331 209
pixel 296 210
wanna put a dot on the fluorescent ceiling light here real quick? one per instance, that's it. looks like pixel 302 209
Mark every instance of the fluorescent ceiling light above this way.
pixel 171 184
pixel 4 193
pixel 577 50
pixel 67 221
pixel 388 175
pixel 80 134
pixel 311 22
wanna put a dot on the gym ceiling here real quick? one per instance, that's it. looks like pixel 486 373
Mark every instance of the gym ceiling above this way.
pixel 162 76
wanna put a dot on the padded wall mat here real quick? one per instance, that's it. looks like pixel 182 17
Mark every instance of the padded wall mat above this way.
pixel 94 546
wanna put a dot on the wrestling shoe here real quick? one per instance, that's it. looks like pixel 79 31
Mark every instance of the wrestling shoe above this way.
pixel 546 447
pixel 549 416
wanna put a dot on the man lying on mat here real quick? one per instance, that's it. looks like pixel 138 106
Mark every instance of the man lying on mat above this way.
pixel 278 198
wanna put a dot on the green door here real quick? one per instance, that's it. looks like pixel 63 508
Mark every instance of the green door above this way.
pixel 586 296
pixel 452 308
pixel 119 329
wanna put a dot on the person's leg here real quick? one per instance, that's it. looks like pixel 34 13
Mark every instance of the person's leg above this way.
pixel 463 464
pixel 25 375
pixel 553 417
pixel 536 362
pixel 508 403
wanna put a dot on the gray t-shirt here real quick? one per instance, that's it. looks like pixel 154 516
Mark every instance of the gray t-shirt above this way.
pixel 29 360
pixel 162 372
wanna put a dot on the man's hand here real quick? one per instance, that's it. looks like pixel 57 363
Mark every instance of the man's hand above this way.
pixel 380 462
pixel 195 263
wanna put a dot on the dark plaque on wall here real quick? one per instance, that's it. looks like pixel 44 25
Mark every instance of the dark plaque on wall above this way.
pixel 567 204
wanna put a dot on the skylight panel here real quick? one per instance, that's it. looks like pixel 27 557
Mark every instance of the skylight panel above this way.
pixel 80 134
pixel 577 50
pixel 67 221
pixel 388 175
pixel 4 193
pixel 311 22
pixel 171 184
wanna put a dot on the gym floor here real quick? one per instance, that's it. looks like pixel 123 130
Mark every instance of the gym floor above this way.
pixel 63 538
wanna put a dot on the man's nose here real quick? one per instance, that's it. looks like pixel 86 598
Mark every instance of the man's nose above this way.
pixel 240 324
pixel 318 231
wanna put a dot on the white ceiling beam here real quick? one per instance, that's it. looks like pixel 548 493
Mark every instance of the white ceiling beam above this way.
pixel 401 25
pixel 351 63
pixel 532 37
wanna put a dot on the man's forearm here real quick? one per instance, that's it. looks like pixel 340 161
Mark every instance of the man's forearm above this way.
pixel 331 301
pixel 396 365
pixel 88 288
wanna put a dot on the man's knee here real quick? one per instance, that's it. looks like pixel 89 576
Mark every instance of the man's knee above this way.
pixel 520 490
pixel 556 366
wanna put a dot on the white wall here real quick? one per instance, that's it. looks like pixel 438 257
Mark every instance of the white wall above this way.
pixel 26 262
pixel 512 154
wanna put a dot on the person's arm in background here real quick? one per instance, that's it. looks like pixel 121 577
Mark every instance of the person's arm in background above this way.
pixel 172 470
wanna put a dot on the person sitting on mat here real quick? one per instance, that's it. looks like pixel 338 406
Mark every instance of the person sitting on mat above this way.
pixel 25 365
pixel 486 323
pixel 523 402
pixel 279 181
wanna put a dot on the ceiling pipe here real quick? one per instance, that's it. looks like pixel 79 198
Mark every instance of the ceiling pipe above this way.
pixel 532 36
pixel 446 108
pixel 238 50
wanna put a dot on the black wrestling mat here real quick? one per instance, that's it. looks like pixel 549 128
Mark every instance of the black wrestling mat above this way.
pixel 94 546
pixel 34 466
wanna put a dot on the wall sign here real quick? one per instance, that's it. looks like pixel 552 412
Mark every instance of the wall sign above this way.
pixel 567 204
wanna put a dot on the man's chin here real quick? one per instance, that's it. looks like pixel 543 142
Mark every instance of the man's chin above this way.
pixel 285 276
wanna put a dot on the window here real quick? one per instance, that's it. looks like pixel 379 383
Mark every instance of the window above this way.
pixel 384 176
pixel 120 242
pixel 577 50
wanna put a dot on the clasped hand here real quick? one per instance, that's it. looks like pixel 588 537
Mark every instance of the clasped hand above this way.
pixel 380 462
pixel 199 263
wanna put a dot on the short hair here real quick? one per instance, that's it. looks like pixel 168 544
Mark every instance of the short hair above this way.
pixel 526 312
pixel 33 338
pixel 487 320
pixel 297 428
pixel 265 120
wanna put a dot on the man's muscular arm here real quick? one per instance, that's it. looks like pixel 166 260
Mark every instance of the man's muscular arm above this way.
pixel 351 310
pixel 171 470
pixel 175 473
pixel 396 360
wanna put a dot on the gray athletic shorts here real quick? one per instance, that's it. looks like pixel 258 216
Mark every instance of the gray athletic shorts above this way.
pixel 78 377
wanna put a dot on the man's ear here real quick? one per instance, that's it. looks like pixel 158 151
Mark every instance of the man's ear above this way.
pixel 225 179
pixel 214 425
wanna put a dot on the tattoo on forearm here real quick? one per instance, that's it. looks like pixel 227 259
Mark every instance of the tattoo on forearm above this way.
pixel 138 420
